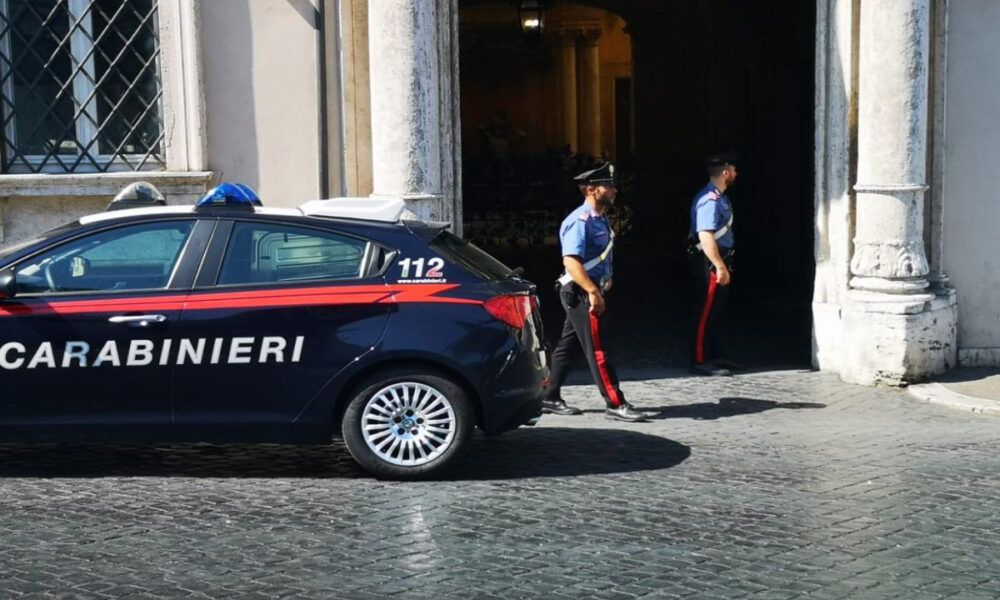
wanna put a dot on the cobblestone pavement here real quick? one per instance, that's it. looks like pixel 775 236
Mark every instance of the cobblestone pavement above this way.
pixel 768 485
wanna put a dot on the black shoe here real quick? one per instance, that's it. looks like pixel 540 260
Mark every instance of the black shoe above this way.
pixel 710 369
pixel 559 407
pixel 625 412
pixel 731 365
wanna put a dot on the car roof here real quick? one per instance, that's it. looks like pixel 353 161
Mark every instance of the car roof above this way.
pixel 295 214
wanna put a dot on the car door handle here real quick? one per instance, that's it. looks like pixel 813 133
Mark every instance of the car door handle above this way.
pixel 138 320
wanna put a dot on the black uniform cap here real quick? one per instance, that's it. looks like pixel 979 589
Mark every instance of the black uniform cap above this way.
pixel 602 175
pixel 722 159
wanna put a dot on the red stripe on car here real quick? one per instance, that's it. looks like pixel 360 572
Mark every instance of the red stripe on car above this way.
pixel 271 298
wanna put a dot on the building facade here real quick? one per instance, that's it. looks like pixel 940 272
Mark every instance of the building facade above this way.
pixel 303 99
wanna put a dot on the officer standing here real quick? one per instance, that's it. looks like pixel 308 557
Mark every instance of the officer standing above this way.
pixel 712 232
pixel 587 240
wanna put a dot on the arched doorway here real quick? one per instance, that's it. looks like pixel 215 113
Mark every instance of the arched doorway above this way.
pixel 674 82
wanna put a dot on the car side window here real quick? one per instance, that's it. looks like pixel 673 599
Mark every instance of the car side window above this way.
pixel 134 257
pixel 273 253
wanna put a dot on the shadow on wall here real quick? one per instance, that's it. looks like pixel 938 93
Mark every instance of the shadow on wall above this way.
pixel 228 54
pixel 307 10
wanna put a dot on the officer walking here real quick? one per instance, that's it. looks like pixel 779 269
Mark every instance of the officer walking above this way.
pixel 712 232
pixel 587 240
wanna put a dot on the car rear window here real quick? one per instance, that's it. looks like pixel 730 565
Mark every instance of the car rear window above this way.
pixel 273 253
pixel 468 256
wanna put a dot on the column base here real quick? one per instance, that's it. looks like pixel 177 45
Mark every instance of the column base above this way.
pixel 898 339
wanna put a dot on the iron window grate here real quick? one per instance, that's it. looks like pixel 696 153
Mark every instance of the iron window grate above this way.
pixel 80 86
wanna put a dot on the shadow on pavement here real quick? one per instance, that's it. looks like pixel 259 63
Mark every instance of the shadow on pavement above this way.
pixel 179 460
pixel 726 407
pixel 537 452
pixel 566 452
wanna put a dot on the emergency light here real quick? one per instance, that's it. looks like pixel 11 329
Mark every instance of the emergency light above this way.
pixel 140 194
pixel 229 195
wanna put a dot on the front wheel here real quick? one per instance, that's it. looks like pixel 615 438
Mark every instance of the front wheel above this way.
pixel 407 424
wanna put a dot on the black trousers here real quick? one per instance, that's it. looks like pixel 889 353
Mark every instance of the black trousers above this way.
pixel 708 331
pixel 582 330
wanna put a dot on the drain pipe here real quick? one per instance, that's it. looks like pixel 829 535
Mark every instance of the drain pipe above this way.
pixel 322 99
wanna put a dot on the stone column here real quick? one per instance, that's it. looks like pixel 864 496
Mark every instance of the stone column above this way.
pixel 408 63
pixel 590 94
pixel 567 46
pixel 898 332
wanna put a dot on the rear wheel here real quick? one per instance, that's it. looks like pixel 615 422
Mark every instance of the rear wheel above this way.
pixel 407 424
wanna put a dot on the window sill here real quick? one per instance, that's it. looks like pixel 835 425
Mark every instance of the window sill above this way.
pixel 101 184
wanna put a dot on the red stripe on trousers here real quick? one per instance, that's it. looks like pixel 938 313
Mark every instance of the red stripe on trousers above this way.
pixel 699 353
pixel 602 365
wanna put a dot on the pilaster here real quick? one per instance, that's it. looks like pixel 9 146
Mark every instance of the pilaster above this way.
pixel 898 332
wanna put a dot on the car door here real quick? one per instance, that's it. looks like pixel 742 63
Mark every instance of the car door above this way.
pixel 85 341
pixel 278 310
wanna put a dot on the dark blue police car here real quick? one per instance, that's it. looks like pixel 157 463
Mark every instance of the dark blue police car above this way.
pixel 232 322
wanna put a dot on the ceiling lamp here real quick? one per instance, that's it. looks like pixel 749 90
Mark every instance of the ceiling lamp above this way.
pixel 532 13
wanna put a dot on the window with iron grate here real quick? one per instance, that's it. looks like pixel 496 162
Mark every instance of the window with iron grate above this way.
pixel 80 88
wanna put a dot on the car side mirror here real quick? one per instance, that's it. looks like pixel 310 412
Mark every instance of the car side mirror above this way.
pixel 8 284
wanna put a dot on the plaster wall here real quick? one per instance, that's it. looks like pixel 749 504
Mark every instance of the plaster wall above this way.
pixel 971 252
pixel 261 96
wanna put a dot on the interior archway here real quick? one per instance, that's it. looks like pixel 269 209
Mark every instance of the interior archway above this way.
pixel 676 81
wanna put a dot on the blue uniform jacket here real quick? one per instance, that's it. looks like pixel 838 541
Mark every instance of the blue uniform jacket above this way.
pixel 585 234
pixel 711 211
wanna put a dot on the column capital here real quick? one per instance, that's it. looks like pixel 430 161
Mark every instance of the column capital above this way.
pixel 567 37
pixel 590 37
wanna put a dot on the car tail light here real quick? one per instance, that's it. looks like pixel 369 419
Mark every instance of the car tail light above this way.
pixel 512 310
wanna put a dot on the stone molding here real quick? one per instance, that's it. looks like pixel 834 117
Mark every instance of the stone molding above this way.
pixel 883 188
pixel 889 259
pixel 89 185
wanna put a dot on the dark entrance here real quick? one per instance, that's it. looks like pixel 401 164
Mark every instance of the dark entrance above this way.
pixel 678 81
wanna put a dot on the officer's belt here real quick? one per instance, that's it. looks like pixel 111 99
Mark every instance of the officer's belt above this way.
pixel 718 234
pixel 590 264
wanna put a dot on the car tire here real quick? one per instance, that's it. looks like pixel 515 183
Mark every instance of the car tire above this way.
pixel 407 423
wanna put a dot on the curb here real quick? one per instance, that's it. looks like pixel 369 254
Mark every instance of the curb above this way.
pixel 936 393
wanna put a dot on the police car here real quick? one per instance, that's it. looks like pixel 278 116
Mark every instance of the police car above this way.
pixel 231 322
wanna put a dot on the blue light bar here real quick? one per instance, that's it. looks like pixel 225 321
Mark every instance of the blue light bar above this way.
pixel 231 195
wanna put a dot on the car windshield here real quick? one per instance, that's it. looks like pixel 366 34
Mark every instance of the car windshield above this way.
pixel 470 257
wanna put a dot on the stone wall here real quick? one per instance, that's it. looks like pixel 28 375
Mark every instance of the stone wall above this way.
pixel 972 149
pixel 261 95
